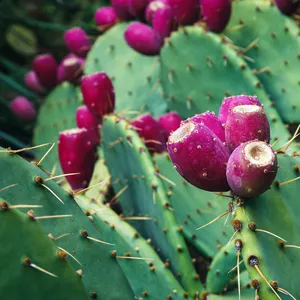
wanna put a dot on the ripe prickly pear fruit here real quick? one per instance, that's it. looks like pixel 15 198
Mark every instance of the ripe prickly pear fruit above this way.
pixel 210 120
pixel 246 123
pixel 251 169
pixel 32 82
pixel 143 39
pixel 122 9
pixel 45 67
pixel 98 94
pixel 287 7
pixel 216 13
pixel 70 69
pixel 162 21
pixel 77 41
pixel 170 122
pixel 199 156
pixel 151 132
pixel 77 155
pixel 23 109
pixel 230 102
pixel 137 7
pixel 185 11
pixel 106 17
pixel 86 119
pixel 152 7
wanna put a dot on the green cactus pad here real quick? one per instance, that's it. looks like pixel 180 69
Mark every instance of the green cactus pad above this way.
pixel 193 208
pixel 273 44
pixel 57 113
pixel 157 281
pixel 198 70
pixel 276 211
pixel 135 76
pixel 95 259
pixel 23 241
pixel 141 192
pixel 219 277
pixel 246 295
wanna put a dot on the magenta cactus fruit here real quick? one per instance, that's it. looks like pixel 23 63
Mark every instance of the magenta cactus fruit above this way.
pixel 246 123
pixel 32 82
pixel 70 69
pixel 162 21
pixel 231 102
pixel 122 8
pixel 199 156
pixel 137 7
pixel 77 41
pixel 287 7
pixel 76 155
pixel 98 94
pixel 151 132
pixel 185 11
pixel 210 120
pixel 45 67
pixel 170 122
pixel 23 109
pixel 86 119
pixel 216 14
pixel 106 17
pixel 152 7
pixel 251 169
pixel 143 39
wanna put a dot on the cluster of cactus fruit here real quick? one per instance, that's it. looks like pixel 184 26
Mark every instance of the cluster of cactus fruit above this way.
pixel 128 204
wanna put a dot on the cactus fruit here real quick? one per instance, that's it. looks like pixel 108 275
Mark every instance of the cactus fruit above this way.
pixel 170 122
pixel 162 21
pixel 98 94
pixel 151 132
pixel 185 12
pixel 143 39
pixel 32 82
pixel 199 156
pixel 229 103
pixel 246 123
pixel 216 13
pixel 211 121
pixel 85 119
pixel 23 109
pixel 45 67
pixel 77 155
pixel 152 7
pixel 251 169
pixel 137 8
pixel 287 7
pixel 106 17
pixel 70 69
pixel 77 41
pixel 122 8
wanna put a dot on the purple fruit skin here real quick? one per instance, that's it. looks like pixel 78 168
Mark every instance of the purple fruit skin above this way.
pixel 137 7
pixel 45 67
pixel 70 69
pixel 32 82
pixel 287 7
pixel 106 17
pixel 122 9
pixel 77 155
pixel 200 157
pixel 150 130
pixel 86 119
pixel 23 109
pixel 143 39
pixel 98 94
pixel 77 41
pixel 185 12
pixel 162 21
pixel 216 13
pixel 152 7
pixel 242 127
pixel 170 122
pixel 231 102
pixel 210 120
pixel 246 179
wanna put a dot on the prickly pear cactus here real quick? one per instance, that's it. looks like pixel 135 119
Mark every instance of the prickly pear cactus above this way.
pixel 135 76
